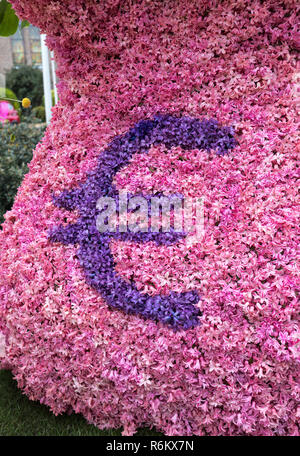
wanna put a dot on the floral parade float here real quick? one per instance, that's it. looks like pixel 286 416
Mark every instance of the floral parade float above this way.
pixel 142 329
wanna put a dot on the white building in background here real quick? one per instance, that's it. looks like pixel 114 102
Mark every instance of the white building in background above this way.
pixel 22 48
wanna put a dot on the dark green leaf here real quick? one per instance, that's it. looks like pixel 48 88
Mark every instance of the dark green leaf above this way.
pixel 3 5
pixel 10 22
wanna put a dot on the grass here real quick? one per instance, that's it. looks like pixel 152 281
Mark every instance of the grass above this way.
pixel 21 417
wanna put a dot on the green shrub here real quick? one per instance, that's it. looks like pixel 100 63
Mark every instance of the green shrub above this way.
pixel 26 81
pixel 16 145
pixel 30 119
pixel 40 113
pixel 7 93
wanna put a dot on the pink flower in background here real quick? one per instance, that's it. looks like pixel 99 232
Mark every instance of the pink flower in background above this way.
pixel 4 109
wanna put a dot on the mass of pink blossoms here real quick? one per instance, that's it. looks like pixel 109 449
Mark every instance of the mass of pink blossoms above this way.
pixel 237 372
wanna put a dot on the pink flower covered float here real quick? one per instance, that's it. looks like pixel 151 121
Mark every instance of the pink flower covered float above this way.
pixel 135 330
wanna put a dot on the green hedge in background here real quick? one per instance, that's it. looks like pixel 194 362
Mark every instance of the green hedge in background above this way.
pixel 16 145
pixel 26 81
pixel 40 113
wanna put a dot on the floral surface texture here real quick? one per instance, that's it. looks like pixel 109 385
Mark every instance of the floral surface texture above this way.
pixel 190 97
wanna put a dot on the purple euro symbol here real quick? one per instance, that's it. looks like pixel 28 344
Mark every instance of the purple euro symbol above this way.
pixel 176 310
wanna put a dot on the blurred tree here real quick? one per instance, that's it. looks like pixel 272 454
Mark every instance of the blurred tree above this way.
pixel 26 81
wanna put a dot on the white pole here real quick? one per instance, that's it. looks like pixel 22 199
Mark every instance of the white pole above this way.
pixel 54 76
pixel 46 78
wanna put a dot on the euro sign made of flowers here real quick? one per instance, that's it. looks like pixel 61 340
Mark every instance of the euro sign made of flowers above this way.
pixel 177 309
pixel 146 328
